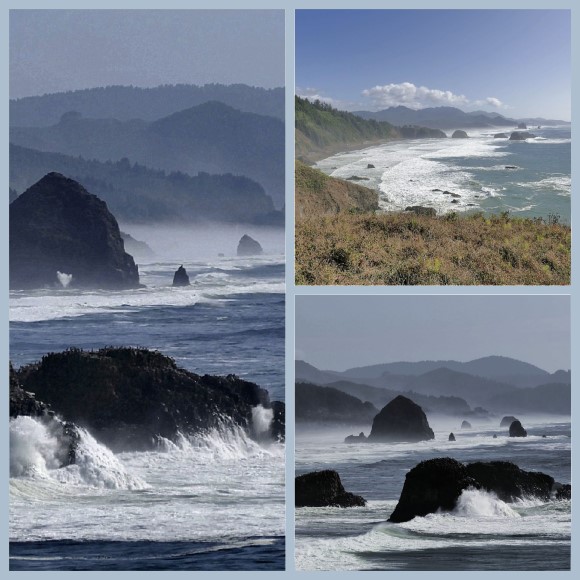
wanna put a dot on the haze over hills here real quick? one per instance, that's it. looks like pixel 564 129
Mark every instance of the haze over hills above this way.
pixel 211 137
pixel 539 392
pixel 132 191
pixel 449 118
pixel 128 102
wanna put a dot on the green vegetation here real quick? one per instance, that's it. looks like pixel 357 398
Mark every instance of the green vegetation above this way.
pixel 318 194
pixel 409 249
pixel 321 130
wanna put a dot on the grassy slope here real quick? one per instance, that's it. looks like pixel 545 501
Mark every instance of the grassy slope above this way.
pixel 402 248
pixel 319 194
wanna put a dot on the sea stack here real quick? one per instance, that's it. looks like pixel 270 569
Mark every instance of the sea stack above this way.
pixel 401 420
pixel 507 421
pixel 466 425
pixel 58 226
pixel 459 134
pixel 517 430
pixel 247 246
pixel 451 437
pixel 324 488
pixel 180 278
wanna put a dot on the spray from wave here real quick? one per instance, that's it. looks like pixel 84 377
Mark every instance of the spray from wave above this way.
pixel 474 503
pixel 64 279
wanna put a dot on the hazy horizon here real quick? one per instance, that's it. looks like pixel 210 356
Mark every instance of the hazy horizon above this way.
pixel 343 332
pixel 487 60
pixel 143 48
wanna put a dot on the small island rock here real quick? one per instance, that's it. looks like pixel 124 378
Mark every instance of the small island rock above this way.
pixel 248 246
pixel 322 489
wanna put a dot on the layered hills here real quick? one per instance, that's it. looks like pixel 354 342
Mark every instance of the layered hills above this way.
pixel 211 137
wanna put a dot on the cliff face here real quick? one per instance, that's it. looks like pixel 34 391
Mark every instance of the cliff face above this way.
pixel 58 226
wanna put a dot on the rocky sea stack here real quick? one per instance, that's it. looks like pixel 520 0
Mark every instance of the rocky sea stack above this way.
pixel 247 246
pixel 507 421
pixel 180 278
pixel 130 397
pixel 517 430
pixel 436 484
pixel 324 489
pixel 401 420
pixel 521 136
pixel 459 134
pixel 58 226
pixel 451 437
pixel 465 425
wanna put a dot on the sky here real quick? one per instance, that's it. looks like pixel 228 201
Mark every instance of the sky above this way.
pixel 513 62
pixel 58 50
pixel 341 332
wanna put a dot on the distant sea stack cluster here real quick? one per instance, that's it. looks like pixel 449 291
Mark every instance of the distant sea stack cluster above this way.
pixel 130 399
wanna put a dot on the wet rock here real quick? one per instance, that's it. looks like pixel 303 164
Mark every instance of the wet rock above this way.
pixel 401 420
pixel 370 166
pixel 451 437
pixel 58 226
pixel 322 489
pixel 564 492
pixel 180 278
pixel 436 484
pixel 517 430
pixel 247 246
pixel 521 136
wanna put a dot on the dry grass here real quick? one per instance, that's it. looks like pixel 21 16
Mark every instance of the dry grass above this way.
pixel 403 248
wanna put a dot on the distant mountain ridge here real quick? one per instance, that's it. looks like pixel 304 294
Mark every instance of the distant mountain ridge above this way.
pixel 321 129
pixel 128 102
pixel 526 389
pixel 449 118
pixel 211 137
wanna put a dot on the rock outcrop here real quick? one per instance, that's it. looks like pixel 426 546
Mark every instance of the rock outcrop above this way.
pixel 436 484
pixel 401 420
pixel 247 246
pixel 466 425
pixel 521 136
pixel 451 437
pixel 58 226
pixel 22 402
pixel 324 489
pixel 459 134
pixel 370 166
pixel 517 430
pixel 360 438
pixel 180 278
pixel 563 492
pixel 507 421
pixel 130 397
pixel 138 249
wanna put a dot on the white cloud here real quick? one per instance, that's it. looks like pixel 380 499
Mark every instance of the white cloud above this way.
pixel 313 94
pixel 414 97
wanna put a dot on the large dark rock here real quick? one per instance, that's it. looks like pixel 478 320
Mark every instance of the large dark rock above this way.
pixel 459 134
pixel 517 430
pixel 180 278
pixel 451 437
pixel 436 484
pixel 278 425
pixel 22 402
pixel 58 226
pixel 401 420
pixel 563 492
pixel 421 210
pixel 130 397
pixel 521 136
pixel 322 489
pixel 247 246
pixel 507 421
pixel 465 425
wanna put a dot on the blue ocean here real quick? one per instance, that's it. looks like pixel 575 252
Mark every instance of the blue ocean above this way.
pixel 481 533
pixel 214 501
pixel 530 178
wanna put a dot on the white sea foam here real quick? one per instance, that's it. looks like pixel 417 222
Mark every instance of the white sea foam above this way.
pixel 478 503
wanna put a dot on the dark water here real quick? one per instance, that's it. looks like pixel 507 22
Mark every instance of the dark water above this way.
pixel 150 556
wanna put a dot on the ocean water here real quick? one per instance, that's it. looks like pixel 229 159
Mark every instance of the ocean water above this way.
pixel 210 502
pixel 407 172
pixel 482 533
